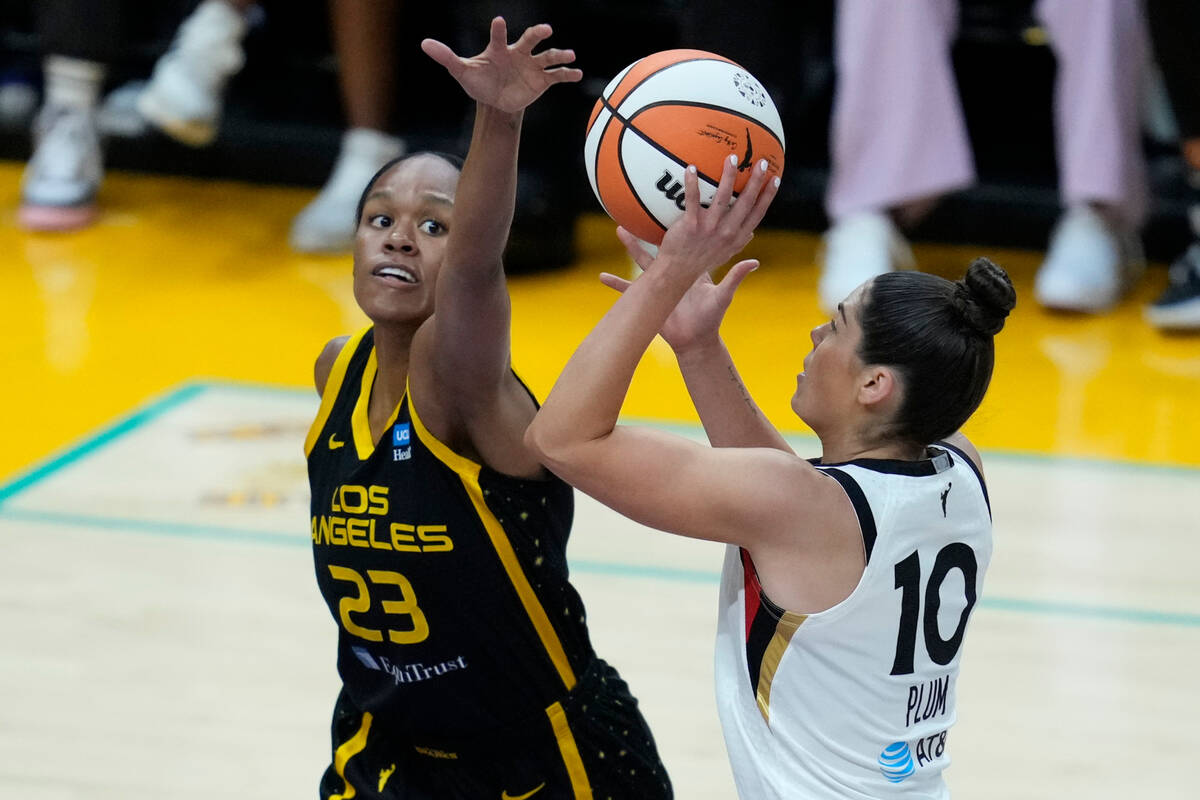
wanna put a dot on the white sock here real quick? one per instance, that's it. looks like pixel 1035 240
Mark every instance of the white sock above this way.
pixel 370 145
pixel 72 82
pixel 363 151
pixel 222 17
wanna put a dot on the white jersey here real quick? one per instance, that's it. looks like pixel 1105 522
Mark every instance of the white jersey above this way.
pixel 856 701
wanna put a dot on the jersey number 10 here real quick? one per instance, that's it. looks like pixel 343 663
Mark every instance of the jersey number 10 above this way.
pixel 908 579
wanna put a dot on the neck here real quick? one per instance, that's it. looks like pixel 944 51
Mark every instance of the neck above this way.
pixel 835 451
pixel 392 348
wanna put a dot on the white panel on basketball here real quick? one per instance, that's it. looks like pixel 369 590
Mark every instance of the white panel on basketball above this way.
pixel 645 166
pixel 705 83
pixel 591 144
pixel 608 90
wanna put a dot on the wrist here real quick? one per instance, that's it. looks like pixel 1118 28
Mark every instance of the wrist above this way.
pixel 493 117
pixel 699 350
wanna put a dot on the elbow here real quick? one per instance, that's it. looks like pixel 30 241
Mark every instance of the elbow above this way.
pixel 538 440
pixel 552 445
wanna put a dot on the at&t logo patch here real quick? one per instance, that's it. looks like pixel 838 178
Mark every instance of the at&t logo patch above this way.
pixel 896 762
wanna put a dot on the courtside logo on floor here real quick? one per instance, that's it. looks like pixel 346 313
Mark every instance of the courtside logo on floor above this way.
pixel 401 442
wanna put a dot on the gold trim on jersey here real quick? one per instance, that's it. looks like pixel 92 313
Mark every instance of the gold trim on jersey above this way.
pixel 774 654
pixel 333 385
pixel 468 473
pixel 360 421
pixel 570 752
pixel 347 750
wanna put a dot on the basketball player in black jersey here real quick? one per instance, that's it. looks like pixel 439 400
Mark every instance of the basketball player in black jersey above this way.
pixel 439 541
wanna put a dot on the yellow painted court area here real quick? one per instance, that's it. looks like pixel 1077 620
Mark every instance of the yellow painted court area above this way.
pixel 187 278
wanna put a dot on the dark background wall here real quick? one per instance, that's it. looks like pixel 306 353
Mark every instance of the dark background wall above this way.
pixel 283 116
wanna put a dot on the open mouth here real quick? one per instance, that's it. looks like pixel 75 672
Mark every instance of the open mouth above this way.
pixel 395 274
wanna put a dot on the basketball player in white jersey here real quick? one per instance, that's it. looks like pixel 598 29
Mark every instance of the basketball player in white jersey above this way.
pixel 849 579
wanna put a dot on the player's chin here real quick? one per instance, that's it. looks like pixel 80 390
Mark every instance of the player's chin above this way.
pixel 798 402
pixel 392 308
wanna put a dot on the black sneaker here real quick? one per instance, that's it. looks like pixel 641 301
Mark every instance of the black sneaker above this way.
pixel 1178 307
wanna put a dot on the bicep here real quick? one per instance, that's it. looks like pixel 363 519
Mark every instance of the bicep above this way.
pixel 735 495
pixel 470 333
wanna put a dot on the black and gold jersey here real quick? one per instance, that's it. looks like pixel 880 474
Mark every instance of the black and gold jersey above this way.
pixel 448 581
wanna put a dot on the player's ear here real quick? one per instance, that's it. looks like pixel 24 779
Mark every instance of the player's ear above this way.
pixel 879 387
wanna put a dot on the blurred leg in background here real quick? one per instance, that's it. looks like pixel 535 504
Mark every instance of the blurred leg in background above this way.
pixel 185 95
pixel 898 141
pixel 897 135
pixel 1175 28
pixel 1094 256
pixel 365 41
pixel 63 175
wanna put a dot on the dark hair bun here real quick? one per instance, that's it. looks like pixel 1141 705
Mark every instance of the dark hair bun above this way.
pixel 985 296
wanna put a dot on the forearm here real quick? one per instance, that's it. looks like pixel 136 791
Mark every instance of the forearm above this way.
pixel 486 197
pixel 587 397
pixel 729 414
pixel 473 307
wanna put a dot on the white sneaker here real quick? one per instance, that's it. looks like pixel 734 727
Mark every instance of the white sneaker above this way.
pixel 58 189
pixel 1089 265
pixel 185 95
pixel 326 225
pixel 118 115
pixel 857 248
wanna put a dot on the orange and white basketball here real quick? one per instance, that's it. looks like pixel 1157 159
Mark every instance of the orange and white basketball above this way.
pixel 664 112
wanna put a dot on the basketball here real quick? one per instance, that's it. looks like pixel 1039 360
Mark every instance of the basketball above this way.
pixel 664 112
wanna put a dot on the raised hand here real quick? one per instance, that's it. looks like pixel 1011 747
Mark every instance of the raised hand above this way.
pixel 704 238
pixel 507 77
pixel 696 319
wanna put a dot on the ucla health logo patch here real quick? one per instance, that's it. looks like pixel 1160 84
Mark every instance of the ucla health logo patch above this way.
pixel 401 442
pixel 896 762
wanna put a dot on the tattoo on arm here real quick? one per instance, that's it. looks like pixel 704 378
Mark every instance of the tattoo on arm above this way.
pixel 733 377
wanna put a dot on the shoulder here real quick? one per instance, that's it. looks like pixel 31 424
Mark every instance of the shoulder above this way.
pixel 325 360
pixel 791 491
pixel 963 445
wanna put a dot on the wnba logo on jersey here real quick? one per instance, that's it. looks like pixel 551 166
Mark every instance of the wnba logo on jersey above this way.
pixel 401 442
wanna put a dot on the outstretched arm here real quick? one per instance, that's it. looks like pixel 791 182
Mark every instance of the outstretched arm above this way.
pixel 576 431
pixel 471 338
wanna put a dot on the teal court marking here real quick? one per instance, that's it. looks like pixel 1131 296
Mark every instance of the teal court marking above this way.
pixel 300 538
pixel 91 444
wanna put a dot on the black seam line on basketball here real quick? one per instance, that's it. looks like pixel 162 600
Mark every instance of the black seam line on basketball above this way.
pixel 621 162
pixel 604 99
pixel 723 109
pixel 626 125
pixel 596 160
pixel 645 138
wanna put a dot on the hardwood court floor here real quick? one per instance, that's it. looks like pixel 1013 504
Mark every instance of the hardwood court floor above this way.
pixel 162 631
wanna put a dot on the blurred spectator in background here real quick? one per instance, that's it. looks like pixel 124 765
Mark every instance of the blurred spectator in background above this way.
pixel 186 92
pixel 79 38
pixel 58 188
pixel 366 35
pixel 1175 27
pixel 364 40
pixel 898 142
